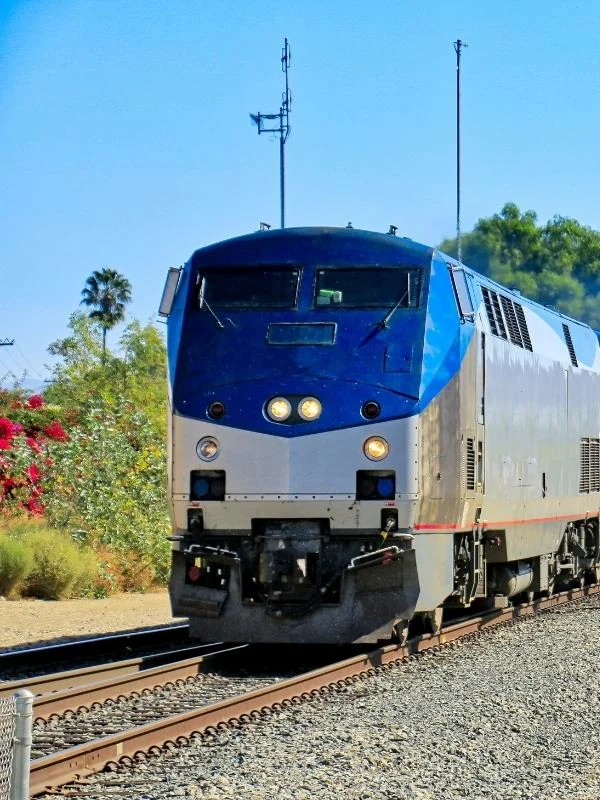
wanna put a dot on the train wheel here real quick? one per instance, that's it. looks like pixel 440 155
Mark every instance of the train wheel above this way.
pixel 432 620
pixel 400 631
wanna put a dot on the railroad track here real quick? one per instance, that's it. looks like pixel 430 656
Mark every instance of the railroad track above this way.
pixel 97 646
pixel 79 689
pixel 151 739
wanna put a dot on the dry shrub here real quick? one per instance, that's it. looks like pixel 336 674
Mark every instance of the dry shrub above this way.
pixel 16 562
pixel 137 575
pixel 61 568
pixel 19 527
pixel 121 571
pixel 108 578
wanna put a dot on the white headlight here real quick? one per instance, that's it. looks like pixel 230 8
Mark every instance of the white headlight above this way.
pixel 208 448
pixel 376 448
pixel 279 409
pixel 309 408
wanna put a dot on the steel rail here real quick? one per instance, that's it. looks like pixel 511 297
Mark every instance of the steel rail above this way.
pixel 83 760
pixel 60 681
pixel 98 645
pixel 77 698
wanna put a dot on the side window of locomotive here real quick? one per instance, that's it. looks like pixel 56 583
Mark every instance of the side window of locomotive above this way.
pixel 249 288
pixel 368 288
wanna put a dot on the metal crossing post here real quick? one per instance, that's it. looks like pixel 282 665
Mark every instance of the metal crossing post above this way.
pixel 19 783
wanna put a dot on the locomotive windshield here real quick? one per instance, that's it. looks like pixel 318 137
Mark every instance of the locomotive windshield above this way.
pixel 376 288
pixel 251 288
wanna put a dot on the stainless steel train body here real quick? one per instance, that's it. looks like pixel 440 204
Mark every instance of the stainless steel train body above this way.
pixel 364 432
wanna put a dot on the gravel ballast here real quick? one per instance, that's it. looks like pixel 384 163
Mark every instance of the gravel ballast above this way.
pixel 511 714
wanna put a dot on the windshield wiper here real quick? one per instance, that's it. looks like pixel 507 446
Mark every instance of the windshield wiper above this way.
pixel 202 301
pixel 392 311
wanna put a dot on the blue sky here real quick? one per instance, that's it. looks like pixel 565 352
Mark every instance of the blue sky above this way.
pixel 125 136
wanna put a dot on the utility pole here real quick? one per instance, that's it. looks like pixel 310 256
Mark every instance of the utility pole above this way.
pixel 458 46
pixel 6 342
pixel 283 128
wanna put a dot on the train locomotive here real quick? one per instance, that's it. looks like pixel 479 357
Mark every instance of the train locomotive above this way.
pixel 365 433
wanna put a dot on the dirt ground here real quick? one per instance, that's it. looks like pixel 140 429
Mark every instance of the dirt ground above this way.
pixel 28 621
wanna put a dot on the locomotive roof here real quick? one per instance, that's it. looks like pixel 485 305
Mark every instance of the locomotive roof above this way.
pixel 351 240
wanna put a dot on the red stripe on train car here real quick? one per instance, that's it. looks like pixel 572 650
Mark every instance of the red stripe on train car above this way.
pixel 441 526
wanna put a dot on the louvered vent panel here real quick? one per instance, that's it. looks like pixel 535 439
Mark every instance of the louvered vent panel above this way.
pixel 470 465
pixel 594 465
pixel 514 332
pixel 584 467
pixel 506 318
pixel 498 315
pixel 489 310
pixel 570 346
pixel 523 326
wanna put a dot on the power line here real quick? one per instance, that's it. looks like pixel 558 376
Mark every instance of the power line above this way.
pixel 29 364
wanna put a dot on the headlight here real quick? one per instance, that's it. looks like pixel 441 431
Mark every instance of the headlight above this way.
pixel 279 409
pixel 376 448
pixel 309 408
pixel 208 448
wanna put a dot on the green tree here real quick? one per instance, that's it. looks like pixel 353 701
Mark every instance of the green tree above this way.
pixel 85 378
pixel 107 292
pixel 557 264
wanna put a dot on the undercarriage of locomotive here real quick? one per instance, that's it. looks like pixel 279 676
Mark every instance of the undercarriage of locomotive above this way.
pixel 296 580
pixel 482 576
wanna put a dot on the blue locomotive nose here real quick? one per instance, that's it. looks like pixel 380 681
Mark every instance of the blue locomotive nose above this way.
pixel 334 324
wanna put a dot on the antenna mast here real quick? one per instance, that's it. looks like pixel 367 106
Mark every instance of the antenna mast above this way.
pixel 458 45
pixel 283 128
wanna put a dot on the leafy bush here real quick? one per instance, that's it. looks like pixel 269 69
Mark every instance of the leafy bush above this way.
pixel 60 568
pixel 89 457
pixel 16 562
pixel 109 481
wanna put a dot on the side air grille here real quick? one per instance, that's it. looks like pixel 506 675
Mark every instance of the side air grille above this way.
pixel 514 331
pixel 523 326
pixel 470 466
pixel 498 315
pixel 489 311
pixel 589 465
pixel 594 465
pixel 570 346
pixel 506 318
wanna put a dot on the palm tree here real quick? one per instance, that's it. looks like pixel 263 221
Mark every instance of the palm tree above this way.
pixel 107 291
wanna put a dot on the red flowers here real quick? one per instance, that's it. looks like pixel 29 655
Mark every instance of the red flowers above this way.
pixel 34 444
pixel 23 453
pixel 56 431
pixel 33 472
pixel 9 429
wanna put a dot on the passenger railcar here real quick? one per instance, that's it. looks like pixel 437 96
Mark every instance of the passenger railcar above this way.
pixel 364 431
